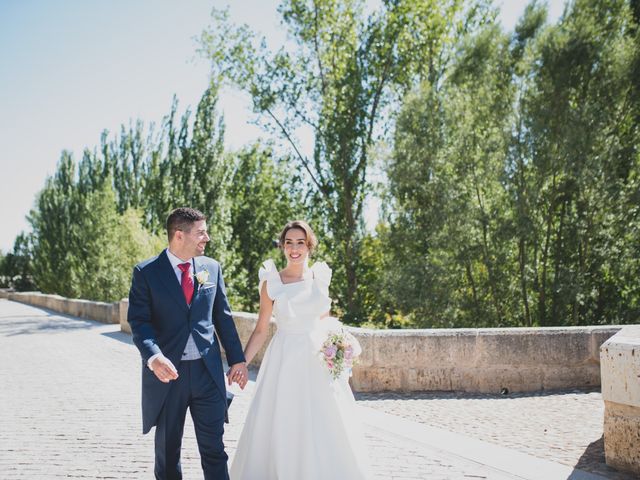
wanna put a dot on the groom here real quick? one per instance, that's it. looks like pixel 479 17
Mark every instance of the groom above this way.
pixel 179 314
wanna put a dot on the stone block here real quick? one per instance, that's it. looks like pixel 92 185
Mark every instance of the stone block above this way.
pixel 491 380
pixel 579 376
pixel 101 312
pixel 366 338
pixel 58 304
pixel 620 377
pixel 395 350
pixel 599 335
pixel 622 437
pixel 73 307
pixel 123 310
pixel 432 379
pixel 620 367
pixel 361 380
pixel 534 346
pixel 448 348
pixel 465 379
pixel 115 313
pixel 45 300
pixel 408 379
pixel 376 379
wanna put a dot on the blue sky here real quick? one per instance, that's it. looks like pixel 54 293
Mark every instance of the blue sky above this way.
pixel 71 68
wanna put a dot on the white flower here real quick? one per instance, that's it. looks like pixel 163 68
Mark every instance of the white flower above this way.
pixel 202 276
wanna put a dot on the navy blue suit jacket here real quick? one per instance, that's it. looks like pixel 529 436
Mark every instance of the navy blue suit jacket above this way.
pixel 161 321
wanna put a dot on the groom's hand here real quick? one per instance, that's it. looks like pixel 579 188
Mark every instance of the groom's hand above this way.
pixel 238 373
pixel 164 369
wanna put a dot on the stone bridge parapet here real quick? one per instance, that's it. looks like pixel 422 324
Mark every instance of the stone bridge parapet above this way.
pixel 487 360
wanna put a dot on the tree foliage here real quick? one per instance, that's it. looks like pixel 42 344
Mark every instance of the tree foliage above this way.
pixel 513 180
pixel 265 196
pixel 83 248
pixel 16 269
pixel 339 80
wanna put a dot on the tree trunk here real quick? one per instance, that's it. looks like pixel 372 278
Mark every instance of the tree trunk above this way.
pixel 542 299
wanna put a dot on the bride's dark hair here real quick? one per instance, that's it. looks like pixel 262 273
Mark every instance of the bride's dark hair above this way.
pixel 312 241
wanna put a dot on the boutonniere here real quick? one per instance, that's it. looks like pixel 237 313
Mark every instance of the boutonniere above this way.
pixel 202 276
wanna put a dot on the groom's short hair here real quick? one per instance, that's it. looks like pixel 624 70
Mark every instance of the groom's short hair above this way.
pixel 183 219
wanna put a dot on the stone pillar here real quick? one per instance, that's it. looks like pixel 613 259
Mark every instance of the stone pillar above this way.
pixel 123 310
pixel 620 375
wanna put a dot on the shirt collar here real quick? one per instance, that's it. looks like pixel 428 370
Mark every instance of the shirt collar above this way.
pixel 175 261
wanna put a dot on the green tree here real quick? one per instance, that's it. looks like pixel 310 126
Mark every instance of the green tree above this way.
pixel 446 235
pixel 339 80
pixel 82 246
pixel 581 138
pixel 112 244
pixel 265 196
pixel 514 179
pixel 206 177
pixel 16 269
pixel 56 238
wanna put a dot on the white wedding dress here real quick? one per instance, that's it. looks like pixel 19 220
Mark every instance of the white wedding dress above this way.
pixel 302 424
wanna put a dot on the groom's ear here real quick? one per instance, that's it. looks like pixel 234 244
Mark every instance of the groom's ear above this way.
pixel 178 235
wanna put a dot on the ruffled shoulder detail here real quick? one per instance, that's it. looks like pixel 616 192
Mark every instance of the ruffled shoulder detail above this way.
pixel 322 274
pixel 269 273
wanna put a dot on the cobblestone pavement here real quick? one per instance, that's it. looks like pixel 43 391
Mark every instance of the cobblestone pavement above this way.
pixel 70 407
pixel 564 427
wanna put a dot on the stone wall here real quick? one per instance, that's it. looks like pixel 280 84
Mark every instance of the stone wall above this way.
pixel 472 360
pixel 99 311
pixel 620 372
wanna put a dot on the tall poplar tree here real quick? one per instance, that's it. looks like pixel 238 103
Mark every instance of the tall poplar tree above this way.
pixel 338 79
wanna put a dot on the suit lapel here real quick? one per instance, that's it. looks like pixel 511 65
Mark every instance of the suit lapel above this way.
pixel 170 281
pixel 196 283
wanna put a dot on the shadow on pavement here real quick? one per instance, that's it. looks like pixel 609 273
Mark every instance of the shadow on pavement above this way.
pixel 120 336
pixel 42 322
pixel 445 395
pixel 593 460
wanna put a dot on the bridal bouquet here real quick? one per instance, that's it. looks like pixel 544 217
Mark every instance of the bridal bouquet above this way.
pixel 340 352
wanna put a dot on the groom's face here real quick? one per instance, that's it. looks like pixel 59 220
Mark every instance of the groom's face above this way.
pixel 196 239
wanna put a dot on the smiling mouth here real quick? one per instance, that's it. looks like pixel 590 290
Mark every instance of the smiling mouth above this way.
pixel 295 255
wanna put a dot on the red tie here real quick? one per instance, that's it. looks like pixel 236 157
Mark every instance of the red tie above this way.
pixel 186 282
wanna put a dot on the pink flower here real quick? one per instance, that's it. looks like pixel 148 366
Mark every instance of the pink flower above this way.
pixel 339 352
pixel 330 351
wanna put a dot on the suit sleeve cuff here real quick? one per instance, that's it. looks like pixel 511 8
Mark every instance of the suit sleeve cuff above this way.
pixel 152 358
pixel 237 358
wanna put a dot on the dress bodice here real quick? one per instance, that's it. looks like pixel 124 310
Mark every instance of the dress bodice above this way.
pixel 297 306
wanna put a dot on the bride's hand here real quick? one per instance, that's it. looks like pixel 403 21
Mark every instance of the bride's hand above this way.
pixel 238 373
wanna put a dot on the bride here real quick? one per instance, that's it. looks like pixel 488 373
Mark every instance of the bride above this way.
pixel 302 424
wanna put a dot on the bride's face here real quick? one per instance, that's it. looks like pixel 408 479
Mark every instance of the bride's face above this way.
pixel 295 246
